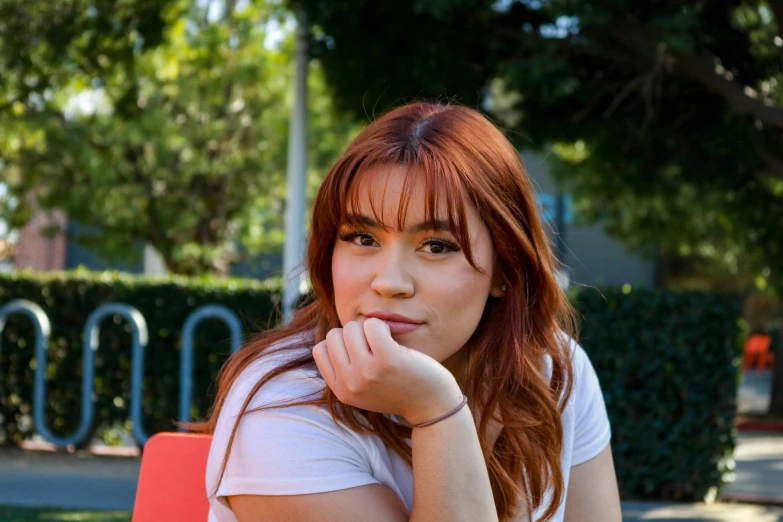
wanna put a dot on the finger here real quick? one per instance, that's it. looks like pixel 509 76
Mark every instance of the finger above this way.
pixel 378 335
pixel 356 343
pixel 321 356
pixel 337 352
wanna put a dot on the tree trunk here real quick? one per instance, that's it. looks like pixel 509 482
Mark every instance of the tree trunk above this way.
pixel 776 393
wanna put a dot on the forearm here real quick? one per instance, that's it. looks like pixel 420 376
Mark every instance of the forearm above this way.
pixel 450 479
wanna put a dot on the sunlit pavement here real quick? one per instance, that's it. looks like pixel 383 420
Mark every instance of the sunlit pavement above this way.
pixel 43 479
pixel 759 472
pixel 753 392
pixel 650 511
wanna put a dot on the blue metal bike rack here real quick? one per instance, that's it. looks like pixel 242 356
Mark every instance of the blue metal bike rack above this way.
pixel 186 359
pixel 43 330
pixel 139 342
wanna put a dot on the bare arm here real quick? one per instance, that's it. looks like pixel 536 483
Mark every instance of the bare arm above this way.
pixel 592 491
pixel 450 480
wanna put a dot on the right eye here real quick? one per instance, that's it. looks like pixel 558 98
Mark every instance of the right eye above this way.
pixel 364 239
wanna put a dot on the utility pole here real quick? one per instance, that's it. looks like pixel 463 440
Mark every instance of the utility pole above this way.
pixel 293 255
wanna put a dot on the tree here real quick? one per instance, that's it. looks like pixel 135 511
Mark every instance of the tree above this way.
pixel 665 118
pixel 181 146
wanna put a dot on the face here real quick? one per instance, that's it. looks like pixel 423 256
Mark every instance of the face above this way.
pixel 421 274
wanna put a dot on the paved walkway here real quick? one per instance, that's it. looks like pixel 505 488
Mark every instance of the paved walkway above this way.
pixel 753 392
pixel 653 511
pixel 35 478
pixel 759 458
pixel 85 481
pixel 44 479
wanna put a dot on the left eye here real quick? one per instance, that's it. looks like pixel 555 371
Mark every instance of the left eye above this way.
pixel 364 239
pixel 440 247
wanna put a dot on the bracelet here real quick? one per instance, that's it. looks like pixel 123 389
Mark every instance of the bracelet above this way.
pixel 449 414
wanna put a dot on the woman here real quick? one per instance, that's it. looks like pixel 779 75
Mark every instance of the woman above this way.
pixel 434 285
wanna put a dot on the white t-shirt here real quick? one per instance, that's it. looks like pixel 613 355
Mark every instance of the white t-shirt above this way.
pixel 301 450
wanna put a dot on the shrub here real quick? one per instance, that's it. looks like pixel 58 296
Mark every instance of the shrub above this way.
pixel 668 366
pixel 69 298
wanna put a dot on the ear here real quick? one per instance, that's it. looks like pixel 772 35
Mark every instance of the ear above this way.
pixel 498 281
pixel 496 290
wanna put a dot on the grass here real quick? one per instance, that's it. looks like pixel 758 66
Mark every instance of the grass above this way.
pixel 24 514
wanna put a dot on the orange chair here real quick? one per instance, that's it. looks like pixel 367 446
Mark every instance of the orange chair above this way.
pixel 757 352
pixel 172 479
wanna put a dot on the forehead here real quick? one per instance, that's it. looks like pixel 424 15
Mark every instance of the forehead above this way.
pixel 409 199
pixel 389 182
pixel 397 194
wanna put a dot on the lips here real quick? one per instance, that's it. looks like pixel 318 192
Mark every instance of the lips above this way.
pixel 398 324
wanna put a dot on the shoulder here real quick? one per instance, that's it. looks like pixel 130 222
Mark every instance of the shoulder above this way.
pixel 585 420
pixel 290 449
pixel 289 384
pixel 583 373
pixel 580 361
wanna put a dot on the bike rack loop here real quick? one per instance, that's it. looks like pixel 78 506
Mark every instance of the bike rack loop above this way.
pixel 91 331
pixel 43 330
pixel 186 358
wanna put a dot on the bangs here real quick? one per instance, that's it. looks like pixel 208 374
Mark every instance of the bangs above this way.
pixel 442 187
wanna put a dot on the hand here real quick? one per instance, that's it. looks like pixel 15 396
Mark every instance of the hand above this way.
pixel 366 368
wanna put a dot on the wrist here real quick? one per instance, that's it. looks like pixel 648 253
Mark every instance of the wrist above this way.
pixel 436 407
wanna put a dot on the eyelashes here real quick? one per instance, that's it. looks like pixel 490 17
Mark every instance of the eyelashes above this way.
pixel 433 241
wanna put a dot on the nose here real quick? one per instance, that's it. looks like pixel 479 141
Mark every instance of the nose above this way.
pixel 392 276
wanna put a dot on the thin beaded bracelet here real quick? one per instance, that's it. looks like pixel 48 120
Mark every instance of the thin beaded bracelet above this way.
pixel 444 416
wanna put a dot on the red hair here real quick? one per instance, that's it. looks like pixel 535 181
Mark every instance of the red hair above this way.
pixel 464 158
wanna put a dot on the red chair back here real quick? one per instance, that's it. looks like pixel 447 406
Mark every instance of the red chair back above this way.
pixel 172 483
pixel 758 344
pixel 757 352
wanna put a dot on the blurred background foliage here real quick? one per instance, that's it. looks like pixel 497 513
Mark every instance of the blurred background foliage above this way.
pixel 664 119
pixel 156 121
pixel 667 362
pixel 165 121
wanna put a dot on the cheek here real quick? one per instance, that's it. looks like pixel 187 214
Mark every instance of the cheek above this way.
pixel 461 294
pixel 347 280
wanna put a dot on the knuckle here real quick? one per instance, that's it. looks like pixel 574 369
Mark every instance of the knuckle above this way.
pixel 352 386
pixel 353 326
pixel 334 335
pixel 345 394
pixel 318 351
pixel 381 364
pixel 338 392
pixel 371 373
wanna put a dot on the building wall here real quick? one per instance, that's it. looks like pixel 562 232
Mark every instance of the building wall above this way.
pixel 592 256
pixel 77 255
pixel 38 252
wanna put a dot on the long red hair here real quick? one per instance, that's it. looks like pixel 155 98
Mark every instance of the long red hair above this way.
pixel 464 158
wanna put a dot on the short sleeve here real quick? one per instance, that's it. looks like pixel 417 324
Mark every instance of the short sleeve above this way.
pixel 287 451
pixel 592 431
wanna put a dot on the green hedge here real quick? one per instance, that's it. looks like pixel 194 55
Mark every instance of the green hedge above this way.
pixel 69 298
pixel 668 365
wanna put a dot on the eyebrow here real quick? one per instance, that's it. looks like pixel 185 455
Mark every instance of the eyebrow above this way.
pixel 438 224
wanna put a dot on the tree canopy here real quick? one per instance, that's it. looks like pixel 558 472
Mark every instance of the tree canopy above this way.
pixel 157 122
pixel 665 118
